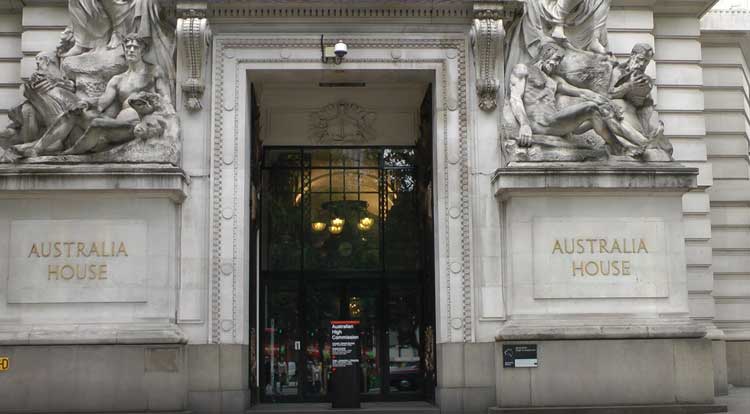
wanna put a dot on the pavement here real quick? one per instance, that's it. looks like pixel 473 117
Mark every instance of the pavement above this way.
pixel 738 400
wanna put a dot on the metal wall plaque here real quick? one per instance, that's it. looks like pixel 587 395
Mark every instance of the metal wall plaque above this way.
pixel 4 363
pixel 520 356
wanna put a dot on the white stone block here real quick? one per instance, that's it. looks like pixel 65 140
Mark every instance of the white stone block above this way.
pixel 701 306
pixel 731 168
pixel 732 286
pixel 736 238
pixel 725 99
pixel 679 74
pixel 697 228
pixel 680 99
pixel 45 16
pixel 10 47
pixel 725 122
pixel 10 23
pixel 721 75
pixel 700 278
pixel 727 144
pixel 723 55
pixel 730 216
pixel 695 202
pixel 621 43
pixel 35 41
pixel 683 124
pixel 689 149
pixel 676 26
pixel 677 50
pixel 698 253
pixel 10 72
pixel 630 19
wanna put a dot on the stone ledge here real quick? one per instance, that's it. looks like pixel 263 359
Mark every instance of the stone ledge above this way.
pixel 567 330
pixel 91 334
pixel 622 409
pixel 156 179
pixel 593 176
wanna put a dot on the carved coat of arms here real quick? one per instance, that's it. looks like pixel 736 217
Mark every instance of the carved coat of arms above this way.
pixel 342 122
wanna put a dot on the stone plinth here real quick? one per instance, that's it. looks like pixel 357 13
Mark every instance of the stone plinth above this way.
pixel 90 254
pixel 595 272
pixel 595 251
pixel 613 376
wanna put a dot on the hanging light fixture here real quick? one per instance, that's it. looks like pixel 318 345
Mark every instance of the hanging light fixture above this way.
pixel 338 222
pixel 318 226
pixel 335 229
pixel 365 224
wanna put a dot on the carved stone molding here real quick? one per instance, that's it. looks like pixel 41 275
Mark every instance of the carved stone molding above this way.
pixel 194 36
pixel 487 37
pixel 342 122
pixel 448 55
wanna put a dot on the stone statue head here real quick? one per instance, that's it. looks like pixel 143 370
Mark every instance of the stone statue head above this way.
pixel 134 47
pixel 67 41
pixel 550 56
pixel 640 57
pixel 44 60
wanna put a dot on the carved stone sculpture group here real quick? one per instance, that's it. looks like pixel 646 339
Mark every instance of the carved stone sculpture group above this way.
pixel 568 98
pixel 105 94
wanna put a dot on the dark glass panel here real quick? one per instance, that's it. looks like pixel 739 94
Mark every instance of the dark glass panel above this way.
pixel 280 370
pixel 401 226
pixel 404 342
pixel 282 208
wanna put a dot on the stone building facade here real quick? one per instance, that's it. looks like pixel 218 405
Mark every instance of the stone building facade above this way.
pixel 178 261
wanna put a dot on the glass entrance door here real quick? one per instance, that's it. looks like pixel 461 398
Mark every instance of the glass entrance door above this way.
pixel 336 300
pixel 340 240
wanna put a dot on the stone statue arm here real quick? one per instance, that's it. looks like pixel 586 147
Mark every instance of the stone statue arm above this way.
pixel 109 95
pixel 565 88
pixel 517 90
pixel 162 87
pixel 637 80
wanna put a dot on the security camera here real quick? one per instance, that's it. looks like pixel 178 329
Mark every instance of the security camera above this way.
pixel 340 49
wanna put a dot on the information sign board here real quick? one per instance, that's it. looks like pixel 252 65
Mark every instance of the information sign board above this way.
pixel 520 356
pixel 344 343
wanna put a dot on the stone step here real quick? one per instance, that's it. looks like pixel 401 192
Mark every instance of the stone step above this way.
pixel 418 407
pixel 626 409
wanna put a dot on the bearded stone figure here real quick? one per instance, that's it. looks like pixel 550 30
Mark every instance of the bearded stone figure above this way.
pixel 104 95
pixel 576 24
pixel 569 99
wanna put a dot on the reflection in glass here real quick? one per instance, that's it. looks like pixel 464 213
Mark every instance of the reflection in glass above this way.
pixel 280 371
pixel 404 367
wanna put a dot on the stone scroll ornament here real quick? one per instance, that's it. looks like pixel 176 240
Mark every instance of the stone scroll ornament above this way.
pixel 104 95
pixel 568 98
pixel 194 35
pixel 487 38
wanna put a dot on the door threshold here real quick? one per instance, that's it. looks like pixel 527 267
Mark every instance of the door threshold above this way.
pixel 411 407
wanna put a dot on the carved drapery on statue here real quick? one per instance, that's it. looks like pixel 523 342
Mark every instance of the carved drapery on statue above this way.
pixel 104 95
pixel 568 98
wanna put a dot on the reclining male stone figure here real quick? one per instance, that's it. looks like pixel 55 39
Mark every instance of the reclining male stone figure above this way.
pixel 110 120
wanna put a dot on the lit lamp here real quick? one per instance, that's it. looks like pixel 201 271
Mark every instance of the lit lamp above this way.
pixel 318 226
pixel 337 226
pixel 365 223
